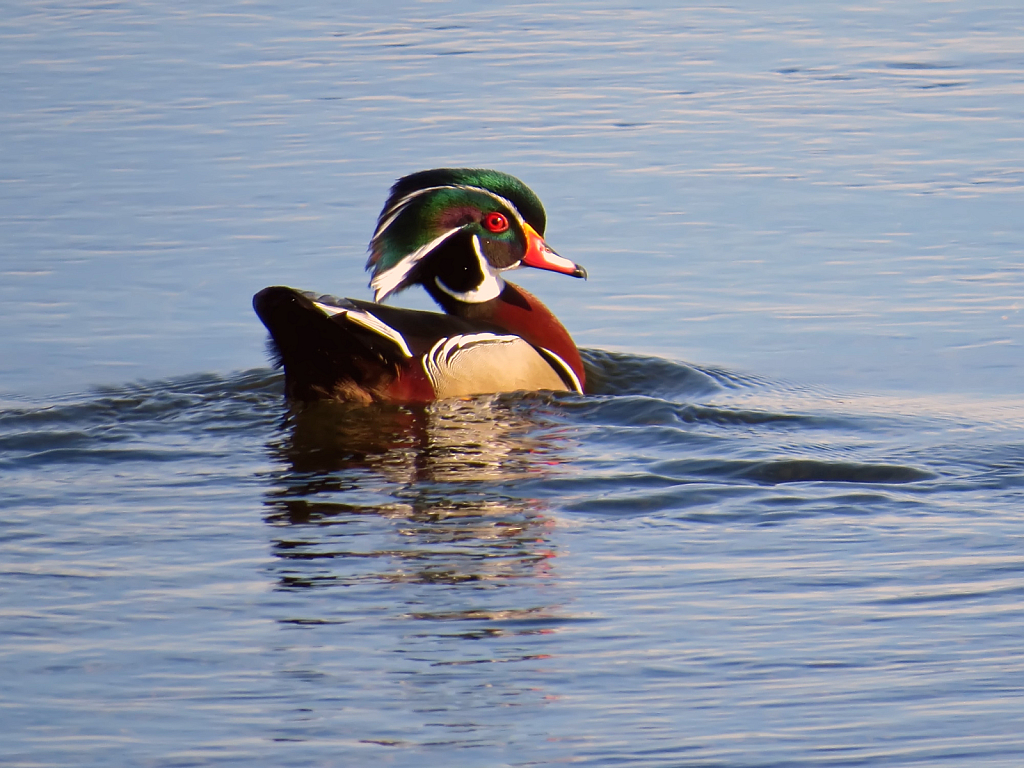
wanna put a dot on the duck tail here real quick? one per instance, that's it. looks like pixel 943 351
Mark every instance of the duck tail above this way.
pixel 325 347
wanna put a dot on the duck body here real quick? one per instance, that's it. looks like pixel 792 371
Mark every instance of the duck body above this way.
pixel 454 232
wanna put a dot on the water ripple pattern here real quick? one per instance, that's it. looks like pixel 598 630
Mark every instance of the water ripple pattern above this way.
pixel 732 567
pixel 800 547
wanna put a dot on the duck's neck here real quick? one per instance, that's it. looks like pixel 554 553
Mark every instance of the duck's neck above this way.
pixel 520 312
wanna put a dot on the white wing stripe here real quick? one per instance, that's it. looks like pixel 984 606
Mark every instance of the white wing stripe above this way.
pixel 370 323
pixel 329 310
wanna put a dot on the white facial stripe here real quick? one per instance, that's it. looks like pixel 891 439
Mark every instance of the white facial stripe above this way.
pixel 399 206
pixel 369 322
pixel 503 200
pixel 385 283
pixel 490 287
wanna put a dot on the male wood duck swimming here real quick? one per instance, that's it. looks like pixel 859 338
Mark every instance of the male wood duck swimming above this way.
pixel 454 231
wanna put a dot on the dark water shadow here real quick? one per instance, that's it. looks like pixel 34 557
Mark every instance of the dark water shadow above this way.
pixel 189 418
pixel 619 373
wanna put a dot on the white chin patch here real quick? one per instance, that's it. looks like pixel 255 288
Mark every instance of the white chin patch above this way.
pixel 489 288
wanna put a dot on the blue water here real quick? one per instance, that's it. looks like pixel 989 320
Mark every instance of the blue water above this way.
pixel 786 527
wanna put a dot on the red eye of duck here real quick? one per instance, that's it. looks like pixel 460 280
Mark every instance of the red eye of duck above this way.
pixel 495 222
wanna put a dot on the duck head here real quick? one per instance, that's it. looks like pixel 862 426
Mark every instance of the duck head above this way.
pixel 455 231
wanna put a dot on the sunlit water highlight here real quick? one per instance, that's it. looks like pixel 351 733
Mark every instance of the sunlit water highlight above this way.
pixel 803 547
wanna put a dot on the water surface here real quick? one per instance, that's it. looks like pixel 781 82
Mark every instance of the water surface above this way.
pixel 784 529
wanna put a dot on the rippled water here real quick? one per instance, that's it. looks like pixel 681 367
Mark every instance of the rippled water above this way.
pixel 800 547
pixel 699 569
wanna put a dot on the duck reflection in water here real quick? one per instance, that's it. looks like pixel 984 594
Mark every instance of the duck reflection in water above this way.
pixel 414 494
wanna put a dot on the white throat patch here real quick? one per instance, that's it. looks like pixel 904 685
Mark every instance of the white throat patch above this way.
pixel 490 287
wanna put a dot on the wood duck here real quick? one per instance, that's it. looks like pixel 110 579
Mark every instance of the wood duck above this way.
pixel 454 231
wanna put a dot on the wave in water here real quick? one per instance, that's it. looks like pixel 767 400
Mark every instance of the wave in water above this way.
pixel 656 435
